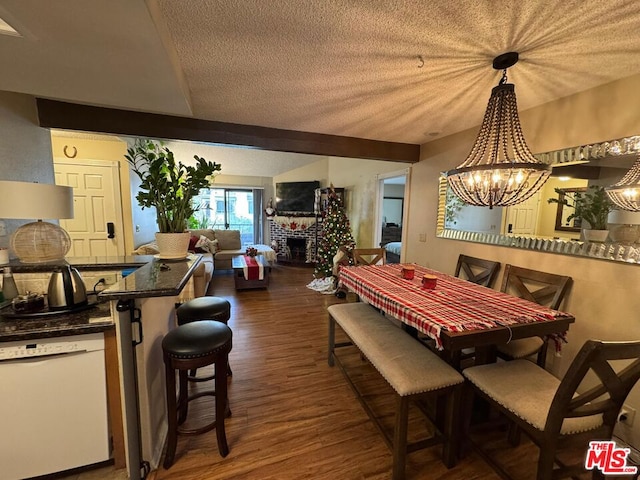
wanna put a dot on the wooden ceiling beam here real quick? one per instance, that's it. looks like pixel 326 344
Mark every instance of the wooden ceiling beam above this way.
pixel 72 116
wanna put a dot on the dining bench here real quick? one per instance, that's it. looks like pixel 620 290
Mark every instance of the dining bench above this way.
pixel 412 370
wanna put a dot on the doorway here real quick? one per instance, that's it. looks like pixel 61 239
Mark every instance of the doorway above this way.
pixel 391 208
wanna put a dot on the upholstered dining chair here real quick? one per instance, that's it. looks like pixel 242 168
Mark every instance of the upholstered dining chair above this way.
pixel 540 287
pixel 368 256
pixel 553 412
pixel 477 270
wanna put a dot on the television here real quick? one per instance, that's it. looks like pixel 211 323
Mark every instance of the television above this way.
pixel 296 197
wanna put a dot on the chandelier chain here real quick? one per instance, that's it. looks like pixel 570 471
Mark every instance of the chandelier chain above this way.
pixel 503 80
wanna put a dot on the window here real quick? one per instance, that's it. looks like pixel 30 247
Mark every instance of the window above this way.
pixel 235 209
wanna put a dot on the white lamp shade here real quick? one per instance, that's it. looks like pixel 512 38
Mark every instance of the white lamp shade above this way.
pixel 624 217
pixel 31 201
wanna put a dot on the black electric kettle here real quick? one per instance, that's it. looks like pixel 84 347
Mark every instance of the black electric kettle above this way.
pixel 66 289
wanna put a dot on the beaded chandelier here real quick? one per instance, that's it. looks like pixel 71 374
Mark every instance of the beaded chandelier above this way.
pixel 500 170
pixel 626 193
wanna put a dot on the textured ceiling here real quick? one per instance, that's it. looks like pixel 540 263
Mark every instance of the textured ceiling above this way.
pixel 340 67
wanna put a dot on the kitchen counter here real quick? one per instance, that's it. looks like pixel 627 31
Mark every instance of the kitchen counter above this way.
pixel 83 263
pixel 143 301
pixel 156 278
pixel 91 320
pixel 152 278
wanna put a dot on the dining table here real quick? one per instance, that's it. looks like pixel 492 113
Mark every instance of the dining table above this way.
pixel 456 314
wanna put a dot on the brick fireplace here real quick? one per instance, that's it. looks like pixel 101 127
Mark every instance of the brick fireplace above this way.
pixel 295 238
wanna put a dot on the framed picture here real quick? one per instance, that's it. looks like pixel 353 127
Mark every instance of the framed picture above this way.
pixel 563 212
pixel 322 199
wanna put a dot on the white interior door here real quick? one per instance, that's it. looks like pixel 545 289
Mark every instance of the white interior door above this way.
pixel 521 218
pixel 97 206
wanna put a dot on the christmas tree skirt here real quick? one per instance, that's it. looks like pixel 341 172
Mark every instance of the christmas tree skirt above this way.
pixel 323 285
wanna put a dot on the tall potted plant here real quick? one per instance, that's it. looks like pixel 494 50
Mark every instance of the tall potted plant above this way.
pixel 169 186
pixel 591 206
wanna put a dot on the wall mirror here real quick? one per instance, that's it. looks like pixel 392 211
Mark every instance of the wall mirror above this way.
pixel 539 225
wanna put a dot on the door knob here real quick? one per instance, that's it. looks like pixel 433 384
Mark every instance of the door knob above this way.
pixel 111 230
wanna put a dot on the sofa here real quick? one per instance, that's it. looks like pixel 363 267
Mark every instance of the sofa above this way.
pixel 227 244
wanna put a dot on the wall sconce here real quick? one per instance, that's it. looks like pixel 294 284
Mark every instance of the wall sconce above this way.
pixel 37 242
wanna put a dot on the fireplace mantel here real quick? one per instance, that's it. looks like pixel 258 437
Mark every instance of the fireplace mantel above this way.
pixel 294 223
pixel 282 229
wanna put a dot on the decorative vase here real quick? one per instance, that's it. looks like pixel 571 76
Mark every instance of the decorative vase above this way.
pixel 173 245
pixel 595 235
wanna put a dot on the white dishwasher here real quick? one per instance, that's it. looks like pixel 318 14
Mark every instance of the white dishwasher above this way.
pixel 53 401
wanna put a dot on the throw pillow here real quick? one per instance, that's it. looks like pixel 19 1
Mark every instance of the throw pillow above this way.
pixel 207 232
pixel 206 245
pixel 192 243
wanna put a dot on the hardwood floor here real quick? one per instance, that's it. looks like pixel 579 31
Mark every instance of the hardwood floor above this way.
pixel 295 417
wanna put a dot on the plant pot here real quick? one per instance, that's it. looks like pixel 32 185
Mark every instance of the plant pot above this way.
pixel 173 245
pixel 595 235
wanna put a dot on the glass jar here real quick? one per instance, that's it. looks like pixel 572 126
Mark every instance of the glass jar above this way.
pixel 9 288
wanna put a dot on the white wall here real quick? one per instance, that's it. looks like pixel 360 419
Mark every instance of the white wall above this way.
pixel 604 297
pixel 360 179
pixel 315 171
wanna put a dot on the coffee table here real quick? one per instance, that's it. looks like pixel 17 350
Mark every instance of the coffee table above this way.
pixel 237 263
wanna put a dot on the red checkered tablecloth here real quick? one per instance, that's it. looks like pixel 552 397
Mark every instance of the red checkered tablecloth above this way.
pixel 455 305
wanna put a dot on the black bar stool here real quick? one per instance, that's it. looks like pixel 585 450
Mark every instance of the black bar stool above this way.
pixel 190 346
pixel 204 308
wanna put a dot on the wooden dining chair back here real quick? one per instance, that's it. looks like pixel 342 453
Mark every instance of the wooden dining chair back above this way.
pixel 477 270
pixel 368 256
pixel 552 411
pixel 482 272
pixel 544 288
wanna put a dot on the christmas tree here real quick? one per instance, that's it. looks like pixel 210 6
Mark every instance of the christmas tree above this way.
pixel 336 233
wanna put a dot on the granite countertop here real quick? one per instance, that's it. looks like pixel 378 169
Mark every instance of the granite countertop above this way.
pixel 153 277
pixel 91 320
pixel 157 278
pixel 83 263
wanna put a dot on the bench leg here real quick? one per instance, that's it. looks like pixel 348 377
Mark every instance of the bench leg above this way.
pixel 332 340
pixel 400 437
pixel 452 427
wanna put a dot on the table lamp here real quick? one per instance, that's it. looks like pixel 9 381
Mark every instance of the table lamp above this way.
pixel 37 242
